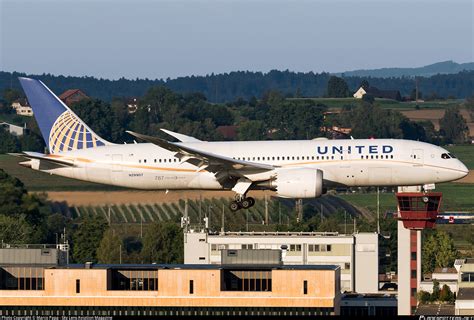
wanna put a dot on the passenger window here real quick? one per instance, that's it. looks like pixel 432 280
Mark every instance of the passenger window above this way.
pixel 452 155
pixel 445 156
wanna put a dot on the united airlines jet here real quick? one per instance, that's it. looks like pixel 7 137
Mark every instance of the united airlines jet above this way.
pixel 293 169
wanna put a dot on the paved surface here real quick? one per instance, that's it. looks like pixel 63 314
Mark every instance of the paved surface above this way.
pixel 435 309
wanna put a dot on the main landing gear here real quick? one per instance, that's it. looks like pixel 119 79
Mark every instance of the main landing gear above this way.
pixel 241 202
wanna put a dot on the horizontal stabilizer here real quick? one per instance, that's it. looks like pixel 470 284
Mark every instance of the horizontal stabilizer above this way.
pixel 45 157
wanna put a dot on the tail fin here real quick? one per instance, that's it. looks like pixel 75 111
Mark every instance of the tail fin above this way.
pixel 61 128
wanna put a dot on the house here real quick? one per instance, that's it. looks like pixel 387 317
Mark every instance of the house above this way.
pixel 359 93
pixel 22 107
pixel 132 105
pixel 228 132
pixel 12 129
pixel 72 95
pixel 377 93
pixel 445 276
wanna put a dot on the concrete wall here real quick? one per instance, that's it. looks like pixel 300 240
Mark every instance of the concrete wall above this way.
pixel 403 270
pixel 367 263
pixel 173 290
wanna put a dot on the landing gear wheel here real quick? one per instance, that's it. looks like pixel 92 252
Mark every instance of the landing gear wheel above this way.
pixel 234 206
pixel 246 203
pixel 252 201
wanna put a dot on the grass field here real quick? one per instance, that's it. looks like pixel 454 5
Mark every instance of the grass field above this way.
pixel 337 103
pixel 456 197
pixel 464 153
pixel 14 119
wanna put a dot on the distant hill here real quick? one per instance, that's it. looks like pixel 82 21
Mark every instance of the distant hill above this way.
pixel 229 87
pixel 445 67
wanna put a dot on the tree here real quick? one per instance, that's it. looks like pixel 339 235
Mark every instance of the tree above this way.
pixel 337 88
pixel 435 294
pixel 423 297
pixel 163 243
pixel 438 251
pixel 111 248
pixel 86 239
pixel 364 84
pixel 10 95
pixel 15 230
pixel 8 143
pixel 453 126
pixel 446 295
pixel 252 130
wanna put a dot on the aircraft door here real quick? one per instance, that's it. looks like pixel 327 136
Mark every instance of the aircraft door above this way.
pixel 417 155
pixel 116 170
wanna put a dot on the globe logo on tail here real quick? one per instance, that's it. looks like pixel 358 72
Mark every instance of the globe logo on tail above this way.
pixel 69 133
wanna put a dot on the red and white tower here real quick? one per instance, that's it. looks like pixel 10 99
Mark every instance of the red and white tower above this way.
pixel 416 211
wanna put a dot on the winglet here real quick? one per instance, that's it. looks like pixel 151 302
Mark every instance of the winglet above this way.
pixel 181 137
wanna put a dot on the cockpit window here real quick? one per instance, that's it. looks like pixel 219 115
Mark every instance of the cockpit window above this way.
pixel 452 155
pixel 445 156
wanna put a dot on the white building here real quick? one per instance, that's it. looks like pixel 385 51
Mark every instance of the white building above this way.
pixel 357 255
pixel 445 276
pixel 22 108
pixel 359 93
pixel 464 304
pixel 12 129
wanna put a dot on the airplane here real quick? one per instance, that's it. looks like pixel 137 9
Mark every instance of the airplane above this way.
pixel 293 169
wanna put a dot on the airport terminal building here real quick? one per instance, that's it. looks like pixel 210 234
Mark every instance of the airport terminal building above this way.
pixel 32 282
pixel 357 254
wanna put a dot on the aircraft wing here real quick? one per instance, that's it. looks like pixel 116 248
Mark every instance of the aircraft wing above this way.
pixel 204 159
pixel 181 137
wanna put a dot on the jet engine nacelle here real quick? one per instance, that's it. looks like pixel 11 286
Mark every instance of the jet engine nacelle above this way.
pixel 299 183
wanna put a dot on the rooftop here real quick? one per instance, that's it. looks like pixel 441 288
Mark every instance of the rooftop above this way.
pixel 465 294
pixel 196 266
pixel 280 234
pixel 445 270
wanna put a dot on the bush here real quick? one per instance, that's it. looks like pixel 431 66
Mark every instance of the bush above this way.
pixel 423 297
pixel 446 295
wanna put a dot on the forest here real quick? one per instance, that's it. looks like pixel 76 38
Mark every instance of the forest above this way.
pixel 228 87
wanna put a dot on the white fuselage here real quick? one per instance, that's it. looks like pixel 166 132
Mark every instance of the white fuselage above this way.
pixel 383 162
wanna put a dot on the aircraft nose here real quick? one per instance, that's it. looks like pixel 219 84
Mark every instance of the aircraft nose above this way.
pixel 462 169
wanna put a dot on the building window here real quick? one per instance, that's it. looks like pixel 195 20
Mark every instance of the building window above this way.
pixel 246 280
pixel 319 247
pixel 134 280
pixel 413 256
pixel 78 286
pixel 413 292
pixel 305 287
pixel 191 286
pixel 467 277
pixel 247 246
pixel 295 247
pixel 413 274
pixel 347 265
pixel 202 258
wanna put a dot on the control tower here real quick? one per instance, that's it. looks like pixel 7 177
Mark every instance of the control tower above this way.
pixel 417 210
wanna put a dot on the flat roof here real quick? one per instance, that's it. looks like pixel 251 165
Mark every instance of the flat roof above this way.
pixel 198 266
pixel 465 294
